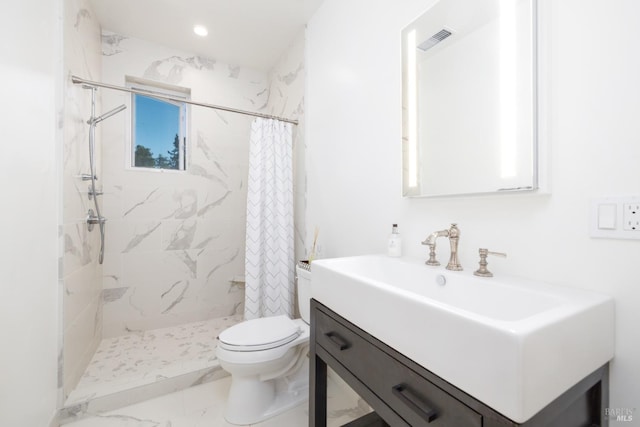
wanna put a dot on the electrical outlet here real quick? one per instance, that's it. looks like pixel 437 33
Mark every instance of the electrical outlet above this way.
pixel 631 217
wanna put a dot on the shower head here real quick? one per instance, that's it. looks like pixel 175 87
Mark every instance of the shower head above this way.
pixel 106 115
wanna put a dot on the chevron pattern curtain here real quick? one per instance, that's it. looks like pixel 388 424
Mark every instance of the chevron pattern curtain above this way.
pixel 269 257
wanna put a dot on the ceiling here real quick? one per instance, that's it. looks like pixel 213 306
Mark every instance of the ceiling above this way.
pixel 252 33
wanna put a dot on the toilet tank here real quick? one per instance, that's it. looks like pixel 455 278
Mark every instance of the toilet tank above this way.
pixel 303 272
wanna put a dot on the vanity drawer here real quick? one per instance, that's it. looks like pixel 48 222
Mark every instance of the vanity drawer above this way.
pixel 418 401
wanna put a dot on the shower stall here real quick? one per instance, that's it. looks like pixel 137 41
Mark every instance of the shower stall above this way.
pixel 146 292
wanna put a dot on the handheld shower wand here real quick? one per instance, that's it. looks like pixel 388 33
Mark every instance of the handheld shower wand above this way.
pixel 96 120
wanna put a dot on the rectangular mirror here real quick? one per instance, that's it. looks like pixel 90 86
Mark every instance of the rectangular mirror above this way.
pixel 469 98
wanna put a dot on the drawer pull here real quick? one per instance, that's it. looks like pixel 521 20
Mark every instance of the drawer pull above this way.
pixel 403 393
pixel 337 340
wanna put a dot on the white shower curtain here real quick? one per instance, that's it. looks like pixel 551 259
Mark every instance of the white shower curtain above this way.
pixel 269 257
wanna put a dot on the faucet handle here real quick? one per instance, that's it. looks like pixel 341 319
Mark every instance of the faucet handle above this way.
pixel 482 270
pixel 432 254
pixel 488 252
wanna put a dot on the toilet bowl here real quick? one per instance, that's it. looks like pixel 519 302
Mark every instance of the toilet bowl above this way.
pixel 267 360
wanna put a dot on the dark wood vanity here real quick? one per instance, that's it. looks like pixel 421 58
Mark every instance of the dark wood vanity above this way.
pixel 403 393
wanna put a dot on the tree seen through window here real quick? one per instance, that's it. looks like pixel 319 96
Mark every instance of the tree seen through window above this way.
pixel 157 133
pixel 145 158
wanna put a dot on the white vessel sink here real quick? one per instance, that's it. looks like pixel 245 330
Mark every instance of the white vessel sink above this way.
pixel 515 345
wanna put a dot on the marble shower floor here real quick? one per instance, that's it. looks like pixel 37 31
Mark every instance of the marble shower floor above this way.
pixel 185 353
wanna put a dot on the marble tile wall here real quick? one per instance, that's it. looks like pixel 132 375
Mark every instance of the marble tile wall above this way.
pixel 286 99
pixel 80 273
pixel 175 240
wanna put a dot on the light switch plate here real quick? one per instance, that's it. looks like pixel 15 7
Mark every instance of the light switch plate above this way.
pixel 607 216
pixel 615 217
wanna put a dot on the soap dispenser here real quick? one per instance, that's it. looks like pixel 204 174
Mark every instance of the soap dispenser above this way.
pixel 394 248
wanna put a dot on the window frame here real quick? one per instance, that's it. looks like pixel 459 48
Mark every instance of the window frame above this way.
pixel 150 88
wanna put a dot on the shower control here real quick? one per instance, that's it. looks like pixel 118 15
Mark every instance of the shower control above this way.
pixel 93 219
pixel 87 177
pixel 92 193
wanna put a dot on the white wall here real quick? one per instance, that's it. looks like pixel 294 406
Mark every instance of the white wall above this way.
pixel 30 66
pixel 590 111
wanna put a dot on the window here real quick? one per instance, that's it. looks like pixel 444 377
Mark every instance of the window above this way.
pixel 158 130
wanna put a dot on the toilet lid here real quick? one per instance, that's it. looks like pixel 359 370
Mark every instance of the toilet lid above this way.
pixel 260 334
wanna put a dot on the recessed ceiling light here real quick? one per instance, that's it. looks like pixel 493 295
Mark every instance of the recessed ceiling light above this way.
pixel 200 30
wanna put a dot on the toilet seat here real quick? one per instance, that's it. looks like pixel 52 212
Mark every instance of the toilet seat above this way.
pixel 259 334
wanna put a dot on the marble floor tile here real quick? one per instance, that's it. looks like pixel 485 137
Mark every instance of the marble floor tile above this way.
pixel 203 406
pixel 136 360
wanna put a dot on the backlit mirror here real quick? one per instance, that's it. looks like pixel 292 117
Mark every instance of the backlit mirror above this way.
pixel 469 98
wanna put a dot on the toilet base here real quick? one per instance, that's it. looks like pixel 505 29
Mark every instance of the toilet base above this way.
pixel 251 400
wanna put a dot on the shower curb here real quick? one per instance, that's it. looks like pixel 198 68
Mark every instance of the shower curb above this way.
pixel 96 405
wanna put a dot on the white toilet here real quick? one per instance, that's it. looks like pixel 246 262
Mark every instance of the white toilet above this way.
pixel 267 360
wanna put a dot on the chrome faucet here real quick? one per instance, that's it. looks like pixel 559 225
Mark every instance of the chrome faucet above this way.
pixel 454 237
pixel 453 233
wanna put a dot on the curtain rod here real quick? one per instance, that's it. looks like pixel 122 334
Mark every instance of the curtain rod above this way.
pixel 78 80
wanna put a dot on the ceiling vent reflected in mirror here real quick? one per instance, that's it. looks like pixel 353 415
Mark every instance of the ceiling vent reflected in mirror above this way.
pixel 434 39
